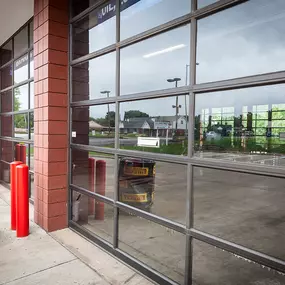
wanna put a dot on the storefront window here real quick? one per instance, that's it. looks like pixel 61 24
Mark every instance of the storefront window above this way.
pixel 245 125
pixel 244 40
pixel 157 60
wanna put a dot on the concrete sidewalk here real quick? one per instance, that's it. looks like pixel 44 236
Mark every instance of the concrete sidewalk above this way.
pixel 62 257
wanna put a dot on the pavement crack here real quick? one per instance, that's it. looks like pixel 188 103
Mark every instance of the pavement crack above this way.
pixel 131 277
pixel 39 271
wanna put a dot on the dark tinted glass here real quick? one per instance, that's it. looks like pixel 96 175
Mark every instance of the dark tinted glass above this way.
pixel 94 125
pixel 31 161
pixel 148 185
pixel 248 39
pixel 93 215
pixel 32 185
pixel 245 125
pixel 31 64
pixel 31 27
pixel 158 247
pixel 6 101
pixel 135 12
pixel 79 6
pixel 21 98
pixel 6 53
pixel 243 208
pixel 202 3
pixel 94 79
pixel 21 126
pixel 96 31
pixel 5 172
pixel 8 150
pixel 93 171
pixel 155 125
pixel 21 69
pixel 213 266
pixel 7 126
pixel 149 65
pixel 6 77
pixel 21 42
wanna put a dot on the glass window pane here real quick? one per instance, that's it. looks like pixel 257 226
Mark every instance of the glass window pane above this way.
pixel 242 208
pixel 31 165
pixel 31 135
pixel 94 79
pixel 6 77
pixel 155 125
pixel 202 3
pixel 5 172
pixel 32 185
pixel 79 6
pixel 135 12
pixel 21 126
pixel 213 266
pixel 31 64
pixel 94 125
pixel 148 185
pixel 8 150
pixel 21 69
pixel 6 101
pixel 96 31
pixel 21 42
pixel 31 27
pixel 32 96
pixel 249 137
pixel 93 215
pixel 248 39
pixel 93 171
pixel 6 126
pixel 6 53
pixel 144 68
pixel 21 98
pixel 158 247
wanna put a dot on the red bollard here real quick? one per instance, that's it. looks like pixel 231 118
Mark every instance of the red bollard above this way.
pixel 23 154
pixel 91 184
pixel 22 200
pixel 18 152
pixel 13 192
pixel 100 188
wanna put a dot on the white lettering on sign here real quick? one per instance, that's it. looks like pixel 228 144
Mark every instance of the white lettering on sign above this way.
pixel 148 142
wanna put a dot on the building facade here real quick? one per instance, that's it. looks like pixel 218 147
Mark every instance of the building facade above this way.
pixel 156 129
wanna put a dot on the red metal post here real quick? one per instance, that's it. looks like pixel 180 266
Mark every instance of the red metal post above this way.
pixel 22 200
pixel 18 152
pixel 100 188
pixel 23 153
pixel 13 182
pixel 91 184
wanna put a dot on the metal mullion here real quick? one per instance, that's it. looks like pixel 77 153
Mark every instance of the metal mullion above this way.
pixel 99 101
pixel 117 134
pixel 239 250
pixel 165 27
pixel 247 168
pixel 13 139
pixel 151 217
pixel 17 112
pixel 215 7
pixel 194 5
pixel 242 82
pixel 92 148
pixel 188 260
pixel 93 195
pixel 92 55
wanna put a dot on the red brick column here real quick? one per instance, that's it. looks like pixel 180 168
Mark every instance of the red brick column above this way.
pixel 51 119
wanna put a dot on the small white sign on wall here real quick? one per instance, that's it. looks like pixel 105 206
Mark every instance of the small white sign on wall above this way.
pixel 73 134
pixel 148 142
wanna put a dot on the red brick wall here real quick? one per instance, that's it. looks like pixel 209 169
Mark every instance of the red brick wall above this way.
pixel 51 114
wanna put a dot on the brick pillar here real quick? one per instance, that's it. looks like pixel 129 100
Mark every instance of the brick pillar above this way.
pixel 50 114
